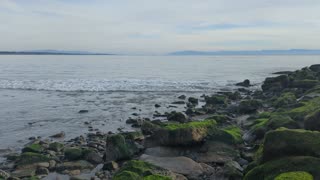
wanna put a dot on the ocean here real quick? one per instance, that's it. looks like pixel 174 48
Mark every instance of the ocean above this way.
pixel 42 95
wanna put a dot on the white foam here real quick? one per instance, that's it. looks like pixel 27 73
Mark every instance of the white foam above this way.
pixel 108 85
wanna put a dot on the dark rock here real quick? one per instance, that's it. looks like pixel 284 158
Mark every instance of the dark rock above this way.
pixel 275 84
pixel 59 135
pixel 73 153
pixel 245 83
pixel 178 102
pixel 177 116
pixel 283 72
pixel 249 106
pixel 193 100
pixel 83 111
pixel 93 157
pixel 118 148
pixel 312 121
pixel 42 171
pixel 216 100
pixel 182 97
pixel 315 68
pixel 36 148
pixel 56 146
pixel 157 105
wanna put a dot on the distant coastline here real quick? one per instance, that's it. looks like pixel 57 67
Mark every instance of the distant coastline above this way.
pixel 247 52
pixel 51 52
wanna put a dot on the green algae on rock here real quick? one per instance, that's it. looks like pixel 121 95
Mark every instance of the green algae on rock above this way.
pixel 296 175
pixel 271 169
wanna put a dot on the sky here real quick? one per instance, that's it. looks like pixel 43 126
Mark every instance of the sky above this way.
pixel 159 26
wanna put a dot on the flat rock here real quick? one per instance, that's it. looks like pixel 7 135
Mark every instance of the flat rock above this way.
pixel 181 165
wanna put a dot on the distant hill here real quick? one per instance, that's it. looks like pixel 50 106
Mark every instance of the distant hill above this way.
pixel 50 52
pixel 259 52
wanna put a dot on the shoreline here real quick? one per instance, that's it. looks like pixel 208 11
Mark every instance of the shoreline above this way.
pixel 230 136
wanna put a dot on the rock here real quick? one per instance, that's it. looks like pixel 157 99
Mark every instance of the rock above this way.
pixel 59 135
pixel 173 134
pixel 31 158
pixel 283 72
pixel 285 100
pixel 182 97
pixel 137 170
pixel 249 106
pixel 245 83
pixel 272 169
pixel 233 170
pixel 193 100
pixel 135 122
pixel 304 84
pixel 312 121
pixel 36 148
pixel 177 116
pixel 118 148
pixel 111 166
pixel 178 102
pixel 4 174
pixel 157 105
pixel 57 147
pixel 52 164
pixel 93 157
pixel 315 67
pixel 181 165
pixel 73 153
pixel 215 100
pixel 83 111
pixel 275 84
pixel 42 171
pixel 288 142
pixel 74 165
pixel 23 173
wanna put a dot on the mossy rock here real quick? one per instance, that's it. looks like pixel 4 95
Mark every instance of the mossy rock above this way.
pixel 288 142
pixel 118 148
pixel 249 106
pixel 264 115
pixel 175 134
pixel 36 148
pixel 177 116
pixel 275 84
pixel 135 135
pixel 312 121
pixel 272 169
pixel 140 170
pixel 56 146
pixel 297 175
pixel 304 84
pixel 31 158
pixel 73 153
pixel 216 100
pixel 285 100
pixel 306 108
pixel 277 121
pixel 259 128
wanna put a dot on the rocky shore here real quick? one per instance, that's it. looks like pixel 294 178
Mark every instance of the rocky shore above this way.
pixel 266 134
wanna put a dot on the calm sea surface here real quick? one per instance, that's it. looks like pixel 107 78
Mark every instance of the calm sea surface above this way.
pixel 41 95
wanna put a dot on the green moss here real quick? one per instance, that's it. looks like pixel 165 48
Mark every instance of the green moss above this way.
pixel 285 99
pixel 194 124
pixel 118 148
pixel 73 153
pixel 139 170
pixel 235 132
pixel 271 169
pixel 297 175
pixel 216 99
pixel 125 175
pixel 307 107
pixel 30 158
pixel 264 115
pixel 56 146
pixel 286 142
pixel 36 148
pixel 133 135
pixel 277 121
pixel 156 177
pixel 229 135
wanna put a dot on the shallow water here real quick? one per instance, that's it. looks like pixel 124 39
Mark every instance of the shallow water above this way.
pixel 41 95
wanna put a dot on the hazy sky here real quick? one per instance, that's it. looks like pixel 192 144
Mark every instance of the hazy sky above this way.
pixel 158 26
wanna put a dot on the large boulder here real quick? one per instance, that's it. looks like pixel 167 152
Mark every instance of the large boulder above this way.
pixel 249 106
pixel 175 134
pixel 288 142
pixel 275 84
pixel 119 148
pixel 177 116
pixel 272 169
pixel 312 121
pixel 285 100
pixel 315 67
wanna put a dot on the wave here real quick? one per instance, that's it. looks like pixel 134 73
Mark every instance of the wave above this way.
pixel 109 85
